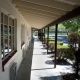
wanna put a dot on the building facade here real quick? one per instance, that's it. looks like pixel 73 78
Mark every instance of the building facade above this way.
pixel 15 36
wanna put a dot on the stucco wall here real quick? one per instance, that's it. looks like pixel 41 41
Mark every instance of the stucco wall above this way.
pixel 5 5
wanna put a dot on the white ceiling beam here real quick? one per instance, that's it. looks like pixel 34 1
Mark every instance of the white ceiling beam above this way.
pixel 37 25
pixel 39 21
pixel 36 19
pixel 39 7
pixel 42 15
pixel 38 16
pixel 39 12
pixel 52 3
pixel 75 2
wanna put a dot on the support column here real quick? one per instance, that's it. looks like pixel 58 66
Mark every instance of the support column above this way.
pixel 32 34
pixel 47 39
pixel 40 35
pixel 44 35
pixel 56 31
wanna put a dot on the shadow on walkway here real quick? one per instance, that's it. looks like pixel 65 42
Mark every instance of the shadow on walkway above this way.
pixel 41 69
pixel 51 78
pixel 50 62
pixel 25 67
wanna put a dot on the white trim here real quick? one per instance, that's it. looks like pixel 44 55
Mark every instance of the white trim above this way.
pixel 9 62
pixel 3 38
pixel 0 40
pixel 8 35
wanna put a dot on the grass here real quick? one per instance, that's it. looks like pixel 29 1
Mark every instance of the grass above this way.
pixel 50 39
pixel 58 42
pixel 63 47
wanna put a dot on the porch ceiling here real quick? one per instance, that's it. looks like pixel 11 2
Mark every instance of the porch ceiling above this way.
pixel 40 13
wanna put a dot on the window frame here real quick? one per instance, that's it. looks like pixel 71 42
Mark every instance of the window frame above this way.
pixel 13 36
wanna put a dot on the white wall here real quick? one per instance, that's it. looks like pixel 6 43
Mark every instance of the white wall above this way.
pixel 5 5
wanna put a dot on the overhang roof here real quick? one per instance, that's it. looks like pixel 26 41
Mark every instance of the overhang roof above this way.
pixel 41 13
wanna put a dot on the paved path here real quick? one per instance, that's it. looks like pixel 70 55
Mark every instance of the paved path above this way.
pixel 43 66
pixel 40 66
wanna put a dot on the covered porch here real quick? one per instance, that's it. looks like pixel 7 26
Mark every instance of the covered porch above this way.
pixel 28 59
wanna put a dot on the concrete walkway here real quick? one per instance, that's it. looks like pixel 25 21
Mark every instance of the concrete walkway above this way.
pixel 37 65
pixel 43 66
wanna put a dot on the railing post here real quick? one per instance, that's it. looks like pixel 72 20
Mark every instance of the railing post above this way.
pixel 39 34
pixel 56 31
pixel 47 39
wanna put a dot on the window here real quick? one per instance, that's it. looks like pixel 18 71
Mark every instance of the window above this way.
pixel 7 35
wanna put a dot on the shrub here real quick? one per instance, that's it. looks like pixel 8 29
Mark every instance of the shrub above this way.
pixel 50 39
pixel 73 38
pixel 60 43
pixel 52 44
pixel 65 52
